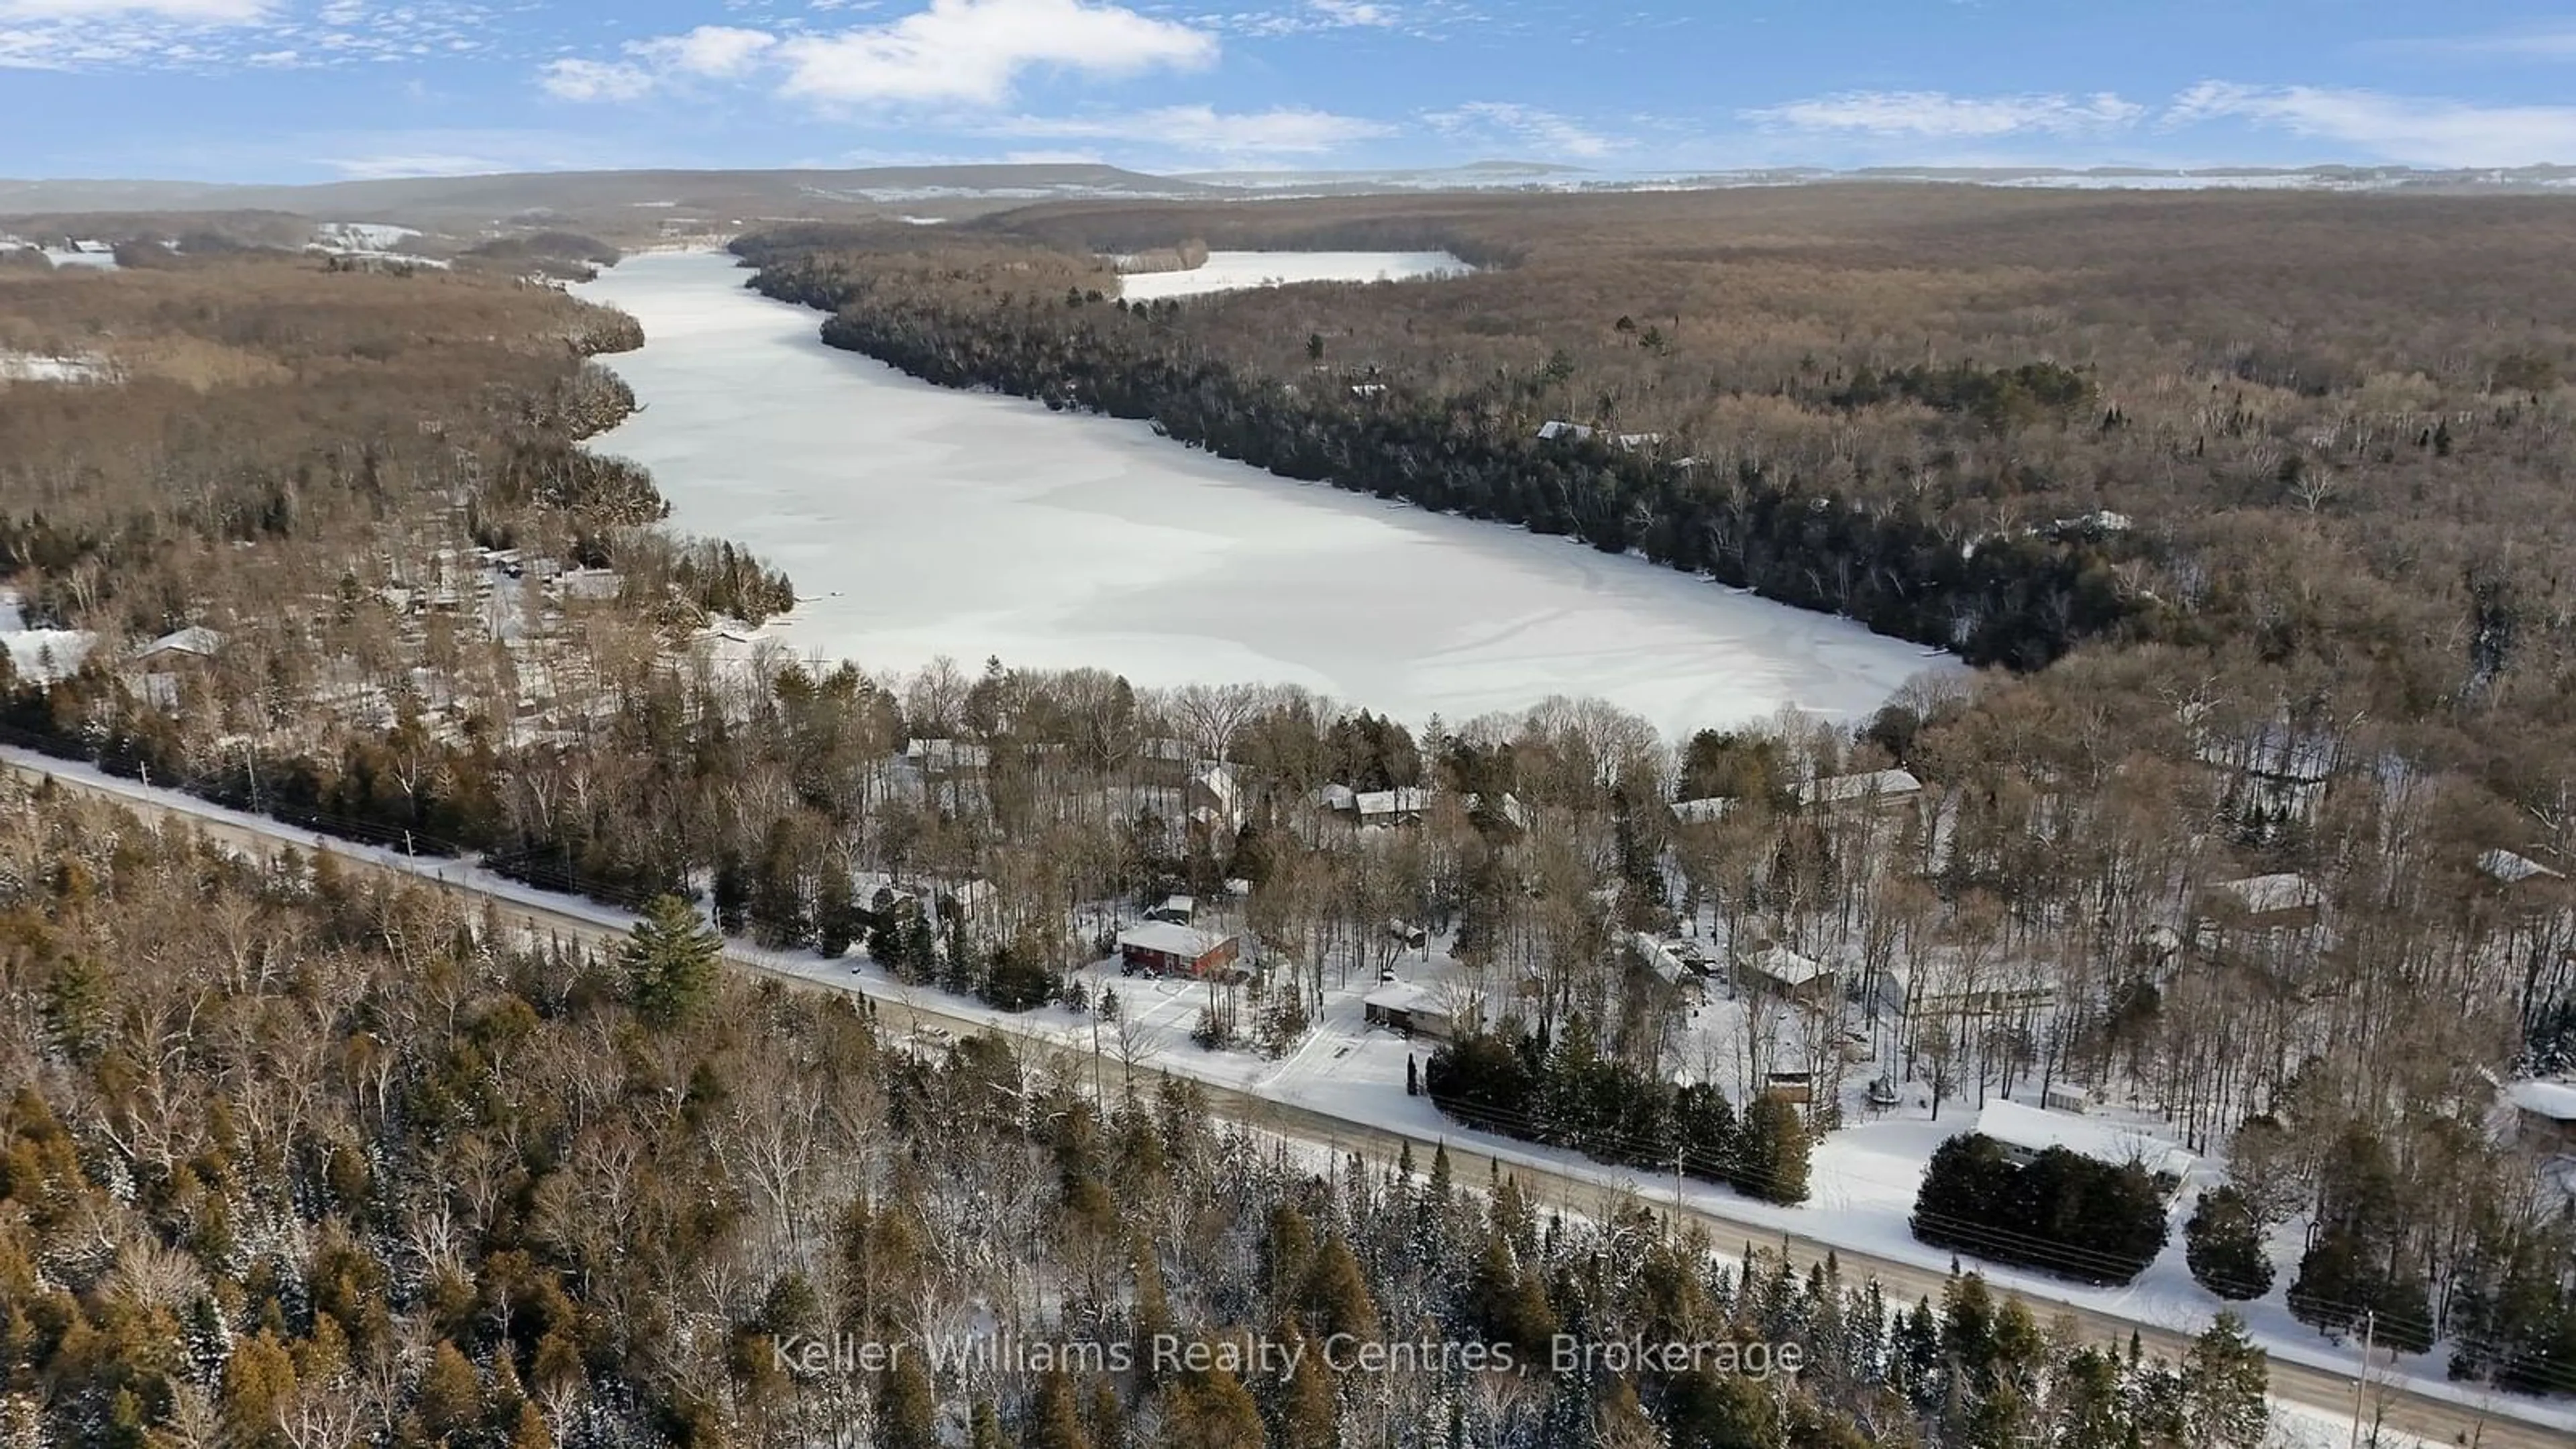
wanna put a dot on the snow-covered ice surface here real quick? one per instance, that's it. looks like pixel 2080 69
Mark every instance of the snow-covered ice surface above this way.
pixel 1239 271
pixel 920 521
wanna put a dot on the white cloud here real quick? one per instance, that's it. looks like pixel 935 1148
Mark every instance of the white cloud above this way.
pixel 710 52
pixel 974 51
pixel 1352 12
pixel 717 51
pixel 1939 115
pixel 1204 130
pixel 2409 130
pixel 1558 135
pixel 206 12
pixel 596 80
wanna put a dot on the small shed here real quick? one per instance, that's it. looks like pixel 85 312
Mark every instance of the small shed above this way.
pixel 1400 806
pixel 1175 910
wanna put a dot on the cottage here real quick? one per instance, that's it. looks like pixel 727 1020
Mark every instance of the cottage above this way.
pixel 1702 812
pixel 2544 1115
pixel 192 643
pixel 1556 430
pixel 2026 1132
pixel 1932 991
pixel 1775 970
pixel 1874 788
pixel 1400 806
pixel 2277 902
pixel 947 757
pixel 1410 1008
pixel 1161 948
pixel 1214 794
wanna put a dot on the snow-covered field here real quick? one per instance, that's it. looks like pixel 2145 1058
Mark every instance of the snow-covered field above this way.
pixel 1238 271
pixel 919 521
pixel 40 654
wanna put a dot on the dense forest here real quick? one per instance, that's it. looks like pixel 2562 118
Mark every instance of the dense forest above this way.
pixel 298 1159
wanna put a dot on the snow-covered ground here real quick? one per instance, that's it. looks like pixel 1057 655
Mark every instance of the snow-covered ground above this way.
pixel 40 654
pixel 1238 271
pixel 37 367
pixel 362 236
pixel 919 521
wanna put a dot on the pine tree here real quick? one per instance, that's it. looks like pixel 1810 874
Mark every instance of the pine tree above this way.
pixel 2224 1246
pixel 1054 1422
pixel 670 961
pixel 2225 1380
pixel 907 1417
pixel 1772 1163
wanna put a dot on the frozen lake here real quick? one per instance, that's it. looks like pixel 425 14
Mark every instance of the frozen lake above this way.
pixel 1239 271
pixel 919 521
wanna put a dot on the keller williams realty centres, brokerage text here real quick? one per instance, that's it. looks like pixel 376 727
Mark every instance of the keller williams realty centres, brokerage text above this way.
pixel 1250 1355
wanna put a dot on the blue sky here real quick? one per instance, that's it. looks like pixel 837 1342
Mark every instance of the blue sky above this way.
pixel 305 90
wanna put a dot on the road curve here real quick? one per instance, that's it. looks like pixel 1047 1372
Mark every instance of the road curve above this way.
pixel 2394 1407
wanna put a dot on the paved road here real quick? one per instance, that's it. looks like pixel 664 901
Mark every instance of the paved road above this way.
pixel 2405 1410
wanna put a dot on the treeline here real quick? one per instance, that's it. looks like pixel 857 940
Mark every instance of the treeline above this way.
pixel 326 1159
pixel 1564 1093
pixel 2018 600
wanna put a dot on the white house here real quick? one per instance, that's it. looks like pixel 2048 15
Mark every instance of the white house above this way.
pixel 1702 812
pixel 2027 1132
pixel 1879 787
pixel 194 642
pixel 1400 806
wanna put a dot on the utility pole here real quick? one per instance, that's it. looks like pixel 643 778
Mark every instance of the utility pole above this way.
pixel 2361 1380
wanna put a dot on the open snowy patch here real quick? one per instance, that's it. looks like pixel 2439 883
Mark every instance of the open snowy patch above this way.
pixel 920 521
pixel 37 367
pixel 362 236
pixel 96 255
pixel 1239 271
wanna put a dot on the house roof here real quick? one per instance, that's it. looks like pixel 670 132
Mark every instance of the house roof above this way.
pixel 1660 957
pixel 2507 868
pixel 1391 802
pixel 1410 996
pixel 1337 797
pixel 1785 966
pixel 2262 895
pixel 1167 939
pixel 2034 1130
pixel 196 639
pixel 2553 1100
pixel 1839 789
